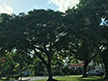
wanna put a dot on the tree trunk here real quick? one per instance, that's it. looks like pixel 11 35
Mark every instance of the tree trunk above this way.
pixel 50 78
pixel 85 68
pixel 49 70
pixel 105 61
pixel 86 62
pixel 49 73
pixel 106 68
pixel 106 71
pixel 47 64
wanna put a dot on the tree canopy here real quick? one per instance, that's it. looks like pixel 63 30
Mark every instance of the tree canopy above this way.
pixel 47 32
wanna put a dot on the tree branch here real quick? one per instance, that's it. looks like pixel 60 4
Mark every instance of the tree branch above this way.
pixel 92 57
pixel 45 51
pixel 42 59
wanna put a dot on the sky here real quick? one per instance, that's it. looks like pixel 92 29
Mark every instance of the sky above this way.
pixel 18 6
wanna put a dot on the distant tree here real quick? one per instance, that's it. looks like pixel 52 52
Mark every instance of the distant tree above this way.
pixel 5 57
pixel 5 63
pixel 81 38
pixel 95 12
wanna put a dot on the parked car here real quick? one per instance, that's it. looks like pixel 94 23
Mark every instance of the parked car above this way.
pixel 95 72
pixel 91 72
pixel 100 72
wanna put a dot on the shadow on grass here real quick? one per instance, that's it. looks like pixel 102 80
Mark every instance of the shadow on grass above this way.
pixel 3 80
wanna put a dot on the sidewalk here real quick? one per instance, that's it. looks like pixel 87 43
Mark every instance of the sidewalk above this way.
pixel 29 78
pixel 40 77
pixel 37 78
pixel 45 77
pixel 33 78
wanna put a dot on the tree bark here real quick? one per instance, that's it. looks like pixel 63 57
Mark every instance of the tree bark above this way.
pixel 106 70
pixel 86 62
pixel 104 57
pixel 49 69
pixel 47 64
pixel 85 68
pixel 50 72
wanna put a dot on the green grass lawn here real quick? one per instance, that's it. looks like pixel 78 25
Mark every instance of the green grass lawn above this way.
pixel 78 78
pixel 2 79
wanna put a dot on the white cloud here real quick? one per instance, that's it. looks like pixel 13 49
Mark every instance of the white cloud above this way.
pixel 64 4
pixel 6 9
